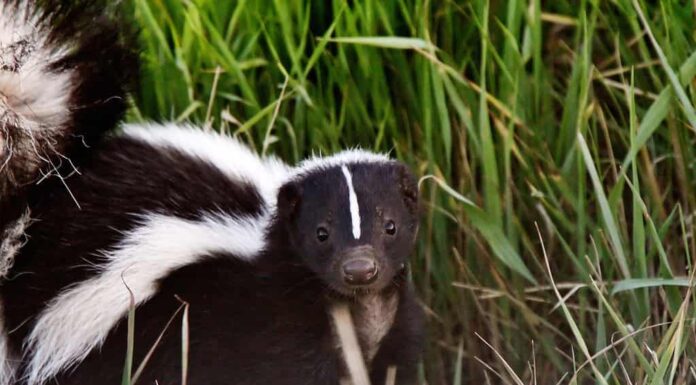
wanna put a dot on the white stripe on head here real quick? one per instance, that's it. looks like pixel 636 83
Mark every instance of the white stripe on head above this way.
pixel 353 199
pixel 317 163
pixel 80 318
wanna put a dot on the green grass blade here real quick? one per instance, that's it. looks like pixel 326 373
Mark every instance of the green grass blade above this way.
pixel 607 215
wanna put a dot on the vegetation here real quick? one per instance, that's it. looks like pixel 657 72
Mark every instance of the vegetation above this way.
pixel 555 140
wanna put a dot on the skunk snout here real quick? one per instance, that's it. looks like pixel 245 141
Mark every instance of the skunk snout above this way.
pixel 360 271
pixel 359 266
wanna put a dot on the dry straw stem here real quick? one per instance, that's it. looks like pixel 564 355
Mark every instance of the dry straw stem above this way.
pixel 391 376
pixel 569 317
pixel 150 352
pixel 343 322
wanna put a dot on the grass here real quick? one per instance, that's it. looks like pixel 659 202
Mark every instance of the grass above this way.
pixel 556 141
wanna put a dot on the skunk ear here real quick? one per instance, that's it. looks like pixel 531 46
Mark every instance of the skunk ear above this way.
pixel 409 187
pixel 289 197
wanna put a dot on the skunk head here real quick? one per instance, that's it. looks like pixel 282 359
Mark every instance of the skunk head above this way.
pixel 352 219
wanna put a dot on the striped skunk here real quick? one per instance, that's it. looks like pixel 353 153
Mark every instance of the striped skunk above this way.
pixel 165 218
pixel 257 249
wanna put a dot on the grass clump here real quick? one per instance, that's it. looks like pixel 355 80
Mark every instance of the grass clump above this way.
pixel 557 141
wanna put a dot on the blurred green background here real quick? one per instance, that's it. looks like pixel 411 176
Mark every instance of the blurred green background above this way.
pixel 563 124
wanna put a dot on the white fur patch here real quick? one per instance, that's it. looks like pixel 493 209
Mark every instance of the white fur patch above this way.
pixel 7 364
pixel 353 200
pixel 35 99
pixel 80 318
pixel 11 240
pixel 227 154
pixel 29 90
pixel 339 159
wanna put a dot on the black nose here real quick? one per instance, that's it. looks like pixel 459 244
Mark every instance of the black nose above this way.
pixel 359 271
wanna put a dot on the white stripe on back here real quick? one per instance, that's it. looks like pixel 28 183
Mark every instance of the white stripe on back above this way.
pixel 229 155
pixel 353 199
pixel 80 318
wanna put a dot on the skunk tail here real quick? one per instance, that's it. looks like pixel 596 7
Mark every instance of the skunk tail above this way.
pixel 65 69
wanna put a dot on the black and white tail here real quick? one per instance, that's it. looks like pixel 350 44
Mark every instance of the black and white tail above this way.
pixel 64 71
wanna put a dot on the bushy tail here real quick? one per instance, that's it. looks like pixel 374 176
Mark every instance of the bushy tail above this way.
pixel 65 69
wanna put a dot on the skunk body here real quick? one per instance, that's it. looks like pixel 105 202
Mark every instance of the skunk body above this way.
pixel 171 215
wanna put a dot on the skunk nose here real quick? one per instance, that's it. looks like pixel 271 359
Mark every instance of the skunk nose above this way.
pixel 359 271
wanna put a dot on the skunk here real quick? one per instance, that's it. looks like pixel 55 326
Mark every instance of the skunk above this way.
pixel 257 250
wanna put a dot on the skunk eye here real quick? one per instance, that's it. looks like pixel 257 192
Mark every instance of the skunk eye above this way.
pixel 322 234
pixel 390 228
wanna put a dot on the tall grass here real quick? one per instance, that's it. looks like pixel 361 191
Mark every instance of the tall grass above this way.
pixel 557 138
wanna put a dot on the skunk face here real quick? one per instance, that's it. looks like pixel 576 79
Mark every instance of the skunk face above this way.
pixel 354 225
